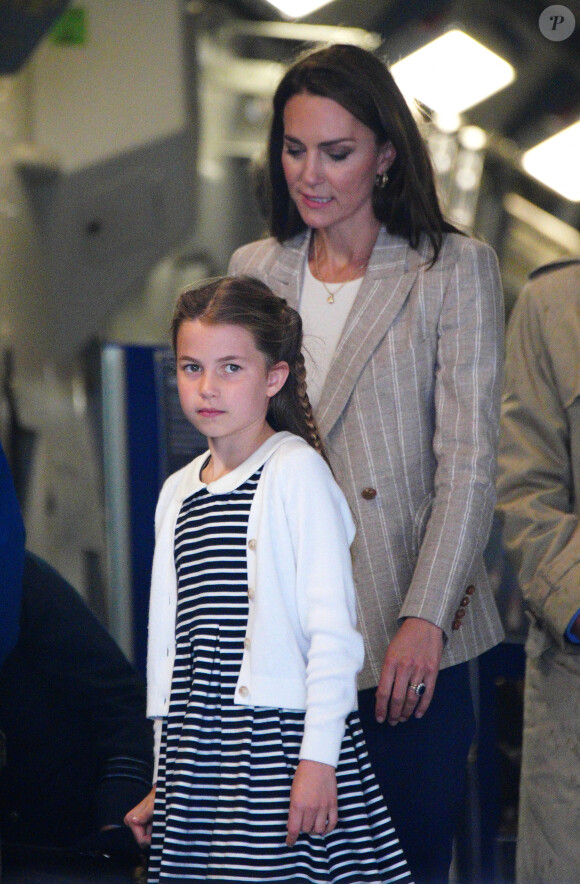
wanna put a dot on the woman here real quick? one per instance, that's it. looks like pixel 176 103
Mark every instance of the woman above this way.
pixel 404 320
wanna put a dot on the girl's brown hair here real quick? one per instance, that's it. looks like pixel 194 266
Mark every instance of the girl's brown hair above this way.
pixel 277 332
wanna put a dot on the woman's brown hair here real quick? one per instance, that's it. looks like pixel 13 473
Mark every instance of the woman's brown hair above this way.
pixel 361 83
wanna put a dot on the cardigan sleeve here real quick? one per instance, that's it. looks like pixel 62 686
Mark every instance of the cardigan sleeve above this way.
pixel 321 530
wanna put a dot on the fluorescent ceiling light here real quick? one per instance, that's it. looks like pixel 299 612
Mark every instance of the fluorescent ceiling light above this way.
pixel 452 73
pixel 554 162
pixel 550 227
pixel 297 8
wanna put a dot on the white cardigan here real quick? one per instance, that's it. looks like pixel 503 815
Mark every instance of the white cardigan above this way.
pixel 303 650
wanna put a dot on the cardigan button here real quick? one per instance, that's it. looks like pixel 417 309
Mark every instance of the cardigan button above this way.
pixel 252 544
pixel 247 643
pixel 244 691
pixel 456 624
pixel 470 590
pixel 369 493
pixel 250 593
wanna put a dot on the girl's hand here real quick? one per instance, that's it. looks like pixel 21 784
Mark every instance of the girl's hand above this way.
pixel 140 819
pixel 313 801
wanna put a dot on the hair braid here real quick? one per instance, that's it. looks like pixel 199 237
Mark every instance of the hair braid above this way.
pixel 314 437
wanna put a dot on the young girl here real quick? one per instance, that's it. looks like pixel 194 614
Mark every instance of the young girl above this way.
pixel 253 652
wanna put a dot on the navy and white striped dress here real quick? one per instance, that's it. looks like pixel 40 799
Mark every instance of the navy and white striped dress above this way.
pixel 225 772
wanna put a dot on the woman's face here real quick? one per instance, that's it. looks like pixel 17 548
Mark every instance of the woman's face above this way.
pixel 330 161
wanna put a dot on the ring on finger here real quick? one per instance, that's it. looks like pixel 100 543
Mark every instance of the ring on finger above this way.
pixel 418 688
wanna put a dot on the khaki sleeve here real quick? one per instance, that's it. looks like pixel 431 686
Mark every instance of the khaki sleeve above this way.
pixel 535 481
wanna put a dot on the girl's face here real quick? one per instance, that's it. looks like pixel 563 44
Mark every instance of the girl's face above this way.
pixel 330 161
pixel 223 383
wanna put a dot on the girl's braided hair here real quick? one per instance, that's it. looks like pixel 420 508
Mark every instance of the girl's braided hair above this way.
pixel 277 332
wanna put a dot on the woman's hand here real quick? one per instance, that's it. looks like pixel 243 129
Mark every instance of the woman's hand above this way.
pixel 313 801
pixel 140 819
pixel 413 657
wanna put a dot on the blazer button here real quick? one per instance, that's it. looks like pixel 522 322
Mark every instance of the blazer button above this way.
pixel 369 493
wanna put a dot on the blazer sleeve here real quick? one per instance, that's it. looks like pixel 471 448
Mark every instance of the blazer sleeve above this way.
pixel 468 379
pixel 536 491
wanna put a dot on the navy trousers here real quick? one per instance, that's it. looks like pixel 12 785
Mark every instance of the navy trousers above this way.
pixel 421 768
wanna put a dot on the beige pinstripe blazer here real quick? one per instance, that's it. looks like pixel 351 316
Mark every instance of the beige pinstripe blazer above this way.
pixel 410 414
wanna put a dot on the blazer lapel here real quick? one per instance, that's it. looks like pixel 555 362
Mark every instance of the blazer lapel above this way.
pixel 391 273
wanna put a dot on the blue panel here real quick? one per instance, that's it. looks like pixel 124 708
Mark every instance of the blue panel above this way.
pixel 144 484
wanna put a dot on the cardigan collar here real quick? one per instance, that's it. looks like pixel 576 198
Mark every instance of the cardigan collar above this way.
pixel 236 477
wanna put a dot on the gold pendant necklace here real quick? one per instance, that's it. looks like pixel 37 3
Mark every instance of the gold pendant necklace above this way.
pixel 332 294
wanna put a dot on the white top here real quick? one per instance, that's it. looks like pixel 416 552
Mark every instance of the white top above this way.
pixel 323 324
pixel 302 650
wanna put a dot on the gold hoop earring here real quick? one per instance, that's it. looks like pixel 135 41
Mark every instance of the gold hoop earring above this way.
pixel 381 180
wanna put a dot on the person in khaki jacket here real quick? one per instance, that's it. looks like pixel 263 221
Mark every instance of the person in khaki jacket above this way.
pixel 539 502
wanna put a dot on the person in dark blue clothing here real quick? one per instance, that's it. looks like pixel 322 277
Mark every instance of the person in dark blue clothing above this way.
pixel 79 748
pixel 12 539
